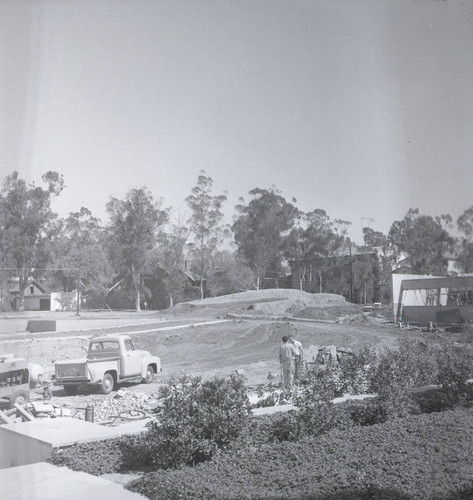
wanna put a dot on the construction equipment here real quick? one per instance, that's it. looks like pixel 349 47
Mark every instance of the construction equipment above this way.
pixel 16 379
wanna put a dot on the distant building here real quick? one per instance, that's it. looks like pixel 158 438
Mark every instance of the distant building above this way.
pixel 36 297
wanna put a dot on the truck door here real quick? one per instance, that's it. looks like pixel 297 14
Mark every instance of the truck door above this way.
pixel 131 360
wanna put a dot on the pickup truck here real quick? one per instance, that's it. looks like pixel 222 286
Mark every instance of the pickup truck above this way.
pixel 111 359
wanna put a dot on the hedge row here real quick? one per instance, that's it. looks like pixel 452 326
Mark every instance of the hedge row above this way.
pixel 418 457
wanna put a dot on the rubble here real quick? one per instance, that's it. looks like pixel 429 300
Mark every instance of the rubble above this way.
pixel 322 355
pixel 366 318
pixel 127 405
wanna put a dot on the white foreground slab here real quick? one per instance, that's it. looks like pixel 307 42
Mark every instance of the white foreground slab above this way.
pixel 31 442
pixel 43 481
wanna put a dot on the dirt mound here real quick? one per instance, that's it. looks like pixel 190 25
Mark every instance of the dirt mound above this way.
pixel 274 294
pixel 273 302
pixel 184 307
pixel 331 313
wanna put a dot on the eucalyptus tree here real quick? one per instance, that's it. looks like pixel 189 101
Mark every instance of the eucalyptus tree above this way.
pixel 134 224
pixel 423 240
pixel 206 224
pixel 314 239
pixel 465 244
pixel 28 224
pixel 260 229
pixel 379 244
pixel 229 275
pixel 170 258
pixel 81 253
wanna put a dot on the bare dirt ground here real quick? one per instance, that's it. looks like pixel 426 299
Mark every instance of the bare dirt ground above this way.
pixel 213 337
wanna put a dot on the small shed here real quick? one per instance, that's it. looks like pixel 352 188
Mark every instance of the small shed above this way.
pixel 36 297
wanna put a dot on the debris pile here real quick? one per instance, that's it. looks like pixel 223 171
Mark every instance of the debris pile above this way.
pixel 322 355
pixel 366 318
pixel 126 405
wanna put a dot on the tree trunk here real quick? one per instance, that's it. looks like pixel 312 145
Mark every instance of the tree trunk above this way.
pixel 136 282
pixel 201 287
pixel 171 300
pixel 21 292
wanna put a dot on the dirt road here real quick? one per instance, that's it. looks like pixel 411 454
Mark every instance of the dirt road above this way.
pixel 209 347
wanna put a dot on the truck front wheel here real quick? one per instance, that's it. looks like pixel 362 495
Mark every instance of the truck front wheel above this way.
pixel 19 398
pixel 107 383
pixel 149 375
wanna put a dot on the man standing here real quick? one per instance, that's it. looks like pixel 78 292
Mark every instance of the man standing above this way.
pixel 287 355
pixel 298 359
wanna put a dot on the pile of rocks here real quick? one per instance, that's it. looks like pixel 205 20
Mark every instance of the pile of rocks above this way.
pixel 366 318
pixel 126 405
pixel 324 354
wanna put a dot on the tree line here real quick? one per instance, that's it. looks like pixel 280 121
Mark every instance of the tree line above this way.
pixel 144 257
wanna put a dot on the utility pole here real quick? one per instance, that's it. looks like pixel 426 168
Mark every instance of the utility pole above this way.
pixel 78 295
pixel 351 276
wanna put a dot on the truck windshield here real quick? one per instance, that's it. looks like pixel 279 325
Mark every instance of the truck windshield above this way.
pixel 129 345
pixel 105 346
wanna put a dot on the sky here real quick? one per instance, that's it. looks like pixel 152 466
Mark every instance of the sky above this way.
pixel 363 108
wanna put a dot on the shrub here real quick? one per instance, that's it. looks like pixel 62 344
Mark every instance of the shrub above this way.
pixel 269 394
pixel 357 371
pixel 195 419
pixel 367 412
pixel 412 364
pixel 454 368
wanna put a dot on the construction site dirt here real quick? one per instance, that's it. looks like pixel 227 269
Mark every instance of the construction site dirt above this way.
pixel 214 337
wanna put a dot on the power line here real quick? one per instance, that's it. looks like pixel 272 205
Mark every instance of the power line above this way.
pixel 40 269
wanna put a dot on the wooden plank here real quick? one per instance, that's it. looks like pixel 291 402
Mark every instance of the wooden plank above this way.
pixel 25 414
pixel 4 418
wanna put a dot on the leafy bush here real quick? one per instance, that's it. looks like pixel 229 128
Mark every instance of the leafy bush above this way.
pixel 391 373
pixel 269 394
pixel 357 372
pixel 454 368
pixel 368 412
pixel 424 456
pixel 412 364
pixel 195 419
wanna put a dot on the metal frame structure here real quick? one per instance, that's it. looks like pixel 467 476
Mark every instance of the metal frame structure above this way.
pixel 458 292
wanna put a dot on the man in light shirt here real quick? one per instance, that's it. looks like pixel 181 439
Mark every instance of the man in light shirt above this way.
pixel 298 359
pixel 287 355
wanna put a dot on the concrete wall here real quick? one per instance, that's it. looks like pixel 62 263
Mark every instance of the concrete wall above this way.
pixel 19 449
pixel 425 314
pixel 26 443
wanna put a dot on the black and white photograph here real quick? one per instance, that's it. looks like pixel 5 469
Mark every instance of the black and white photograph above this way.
pixel 236 249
